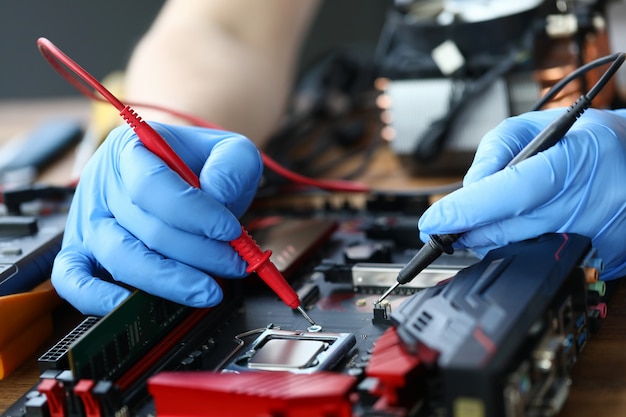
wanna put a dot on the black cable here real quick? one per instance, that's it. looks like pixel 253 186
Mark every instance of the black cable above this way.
pixel 385 39
pixel 326 93
pixel 366 159
pixel 579 72
pixel 608 74
pixel 432 141
pixel 553 133
pixel 365 153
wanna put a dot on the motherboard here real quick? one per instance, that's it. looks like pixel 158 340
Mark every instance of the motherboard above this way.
pixel 468 337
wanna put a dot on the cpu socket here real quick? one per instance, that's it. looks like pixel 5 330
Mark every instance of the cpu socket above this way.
pixel 296 352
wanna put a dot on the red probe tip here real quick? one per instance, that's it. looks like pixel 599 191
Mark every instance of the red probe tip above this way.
pixel 260 263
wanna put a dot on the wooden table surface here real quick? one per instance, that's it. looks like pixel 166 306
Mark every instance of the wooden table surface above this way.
pixel 598 379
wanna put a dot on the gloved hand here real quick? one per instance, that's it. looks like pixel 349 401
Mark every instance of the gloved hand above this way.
pixel 137 219
pixel 576 186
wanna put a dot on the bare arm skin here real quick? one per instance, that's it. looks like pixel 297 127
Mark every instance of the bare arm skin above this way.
pixel 230 62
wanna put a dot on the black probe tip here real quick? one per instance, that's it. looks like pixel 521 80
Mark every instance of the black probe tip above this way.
pixel 422 259
pixel 436 245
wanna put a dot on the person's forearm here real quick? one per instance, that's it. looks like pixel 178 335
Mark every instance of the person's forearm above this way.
pixel 230 63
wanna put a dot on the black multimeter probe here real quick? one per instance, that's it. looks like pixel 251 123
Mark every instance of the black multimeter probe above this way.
pixel 548 137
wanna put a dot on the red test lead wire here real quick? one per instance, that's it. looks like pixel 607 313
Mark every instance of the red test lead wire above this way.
pixel 258 261
pixel 80 79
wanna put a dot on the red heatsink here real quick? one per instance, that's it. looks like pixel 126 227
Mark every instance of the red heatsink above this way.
pixel 195 394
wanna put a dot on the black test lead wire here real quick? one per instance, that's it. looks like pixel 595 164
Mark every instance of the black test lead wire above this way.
pixel 548 137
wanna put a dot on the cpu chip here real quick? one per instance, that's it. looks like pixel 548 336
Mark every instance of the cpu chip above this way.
pixel 296 352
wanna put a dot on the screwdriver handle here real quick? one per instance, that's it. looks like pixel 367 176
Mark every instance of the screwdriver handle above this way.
pixel 259 262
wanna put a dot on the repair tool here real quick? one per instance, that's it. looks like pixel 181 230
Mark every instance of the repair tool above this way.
pixel 247 248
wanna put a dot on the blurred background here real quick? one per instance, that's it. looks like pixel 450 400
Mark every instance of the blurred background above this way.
pixel 100 36
pixel 435 119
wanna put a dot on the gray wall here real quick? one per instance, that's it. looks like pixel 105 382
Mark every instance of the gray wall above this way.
pixel 99 35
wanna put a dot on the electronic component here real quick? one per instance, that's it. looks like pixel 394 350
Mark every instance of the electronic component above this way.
pixel 252 394
pixel 522 294
pixel 376 277
pixel 26 258
pixel 503 334
pixel 16 199
pixel 382 313
pixel 394 369
pixel 110 346
pixel 17 226
pixel 292 241
pixel 379 276
pixel 57 356
pixel 140 333
pixel 297 352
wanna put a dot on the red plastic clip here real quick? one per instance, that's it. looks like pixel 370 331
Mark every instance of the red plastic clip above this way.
pixel 394 368
pixel 90 402
pixel 55 395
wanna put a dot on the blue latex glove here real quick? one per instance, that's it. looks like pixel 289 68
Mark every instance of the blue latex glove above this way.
pixel 576 186
pixel 137 219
